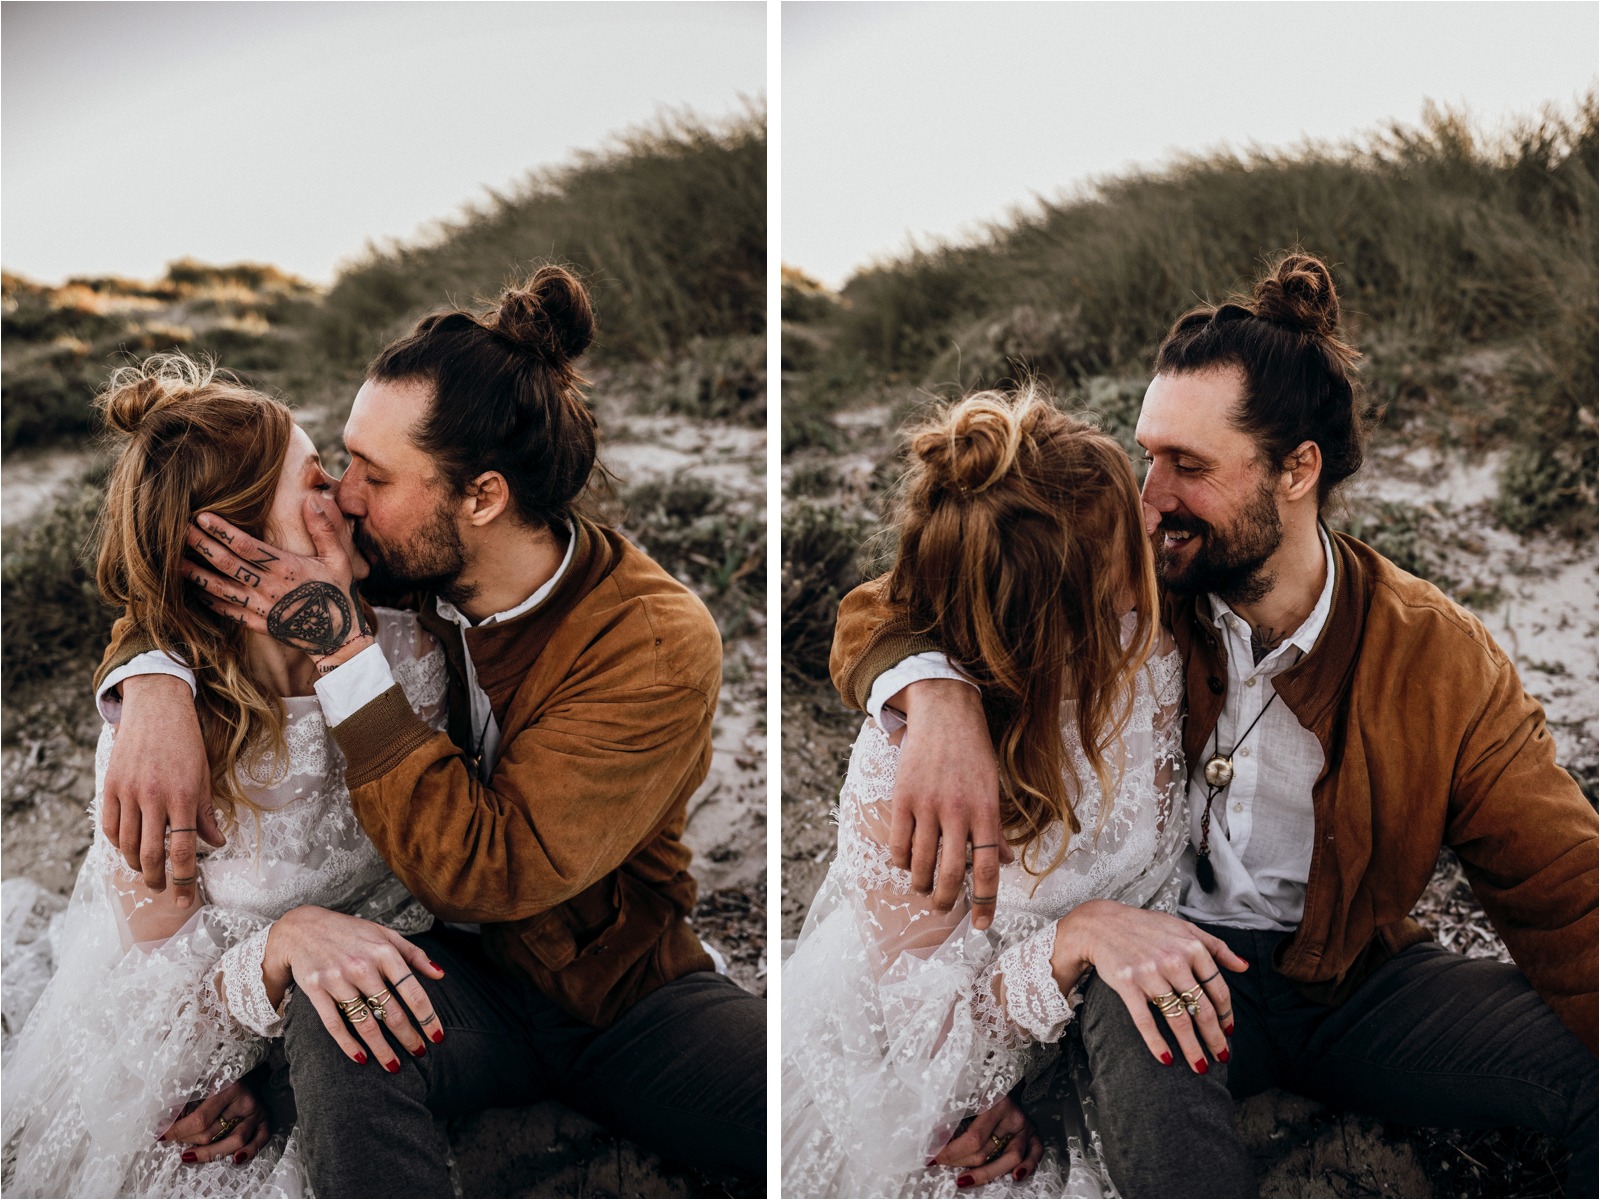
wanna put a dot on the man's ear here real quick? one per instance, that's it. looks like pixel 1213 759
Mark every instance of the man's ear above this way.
pixel 1302 470
pixel 487 497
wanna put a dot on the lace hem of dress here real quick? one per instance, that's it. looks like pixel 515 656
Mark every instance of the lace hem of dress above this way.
pixel 240 971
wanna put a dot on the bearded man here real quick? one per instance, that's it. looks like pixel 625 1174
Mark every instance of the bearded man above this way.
pixel 1345 720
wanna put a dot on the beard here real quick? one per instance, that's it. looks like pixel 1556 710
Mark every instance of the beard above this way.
pixel 432 560
pixel 1230 563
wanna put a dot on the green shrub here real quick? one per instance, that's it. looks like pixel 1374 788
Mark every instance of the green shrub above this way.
pixel 53 620
pixel 823 556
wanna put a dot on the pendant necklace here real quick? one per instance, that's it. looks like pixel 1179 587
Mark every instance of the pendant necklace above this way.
pixel 1218 774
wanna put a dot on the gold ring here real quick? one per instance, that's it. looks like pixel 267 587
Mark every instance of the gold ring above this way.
pixel 1170 1003
pixel 1000 1144
pixel 355 1011
pixel 225 1126
pixel 376 1003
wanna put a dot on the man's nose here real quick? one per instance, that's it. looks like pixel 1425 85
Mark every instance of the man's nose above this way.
pixel 348 497
pixel 1157 492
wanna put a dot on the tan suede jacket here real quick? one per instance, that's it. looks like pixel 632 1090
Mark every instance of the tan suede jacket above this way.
pixel 570 856
pixel 1429 740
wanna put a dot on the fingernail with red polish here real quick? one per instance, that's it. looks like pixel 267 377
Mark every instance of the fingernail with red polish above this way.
pixel 361 1058
pixel 965 1181
pixel 1228 1029
pixel 930 1162
pixel 238 1159
pixel 419 1051
pixel 190 1156
pixel 436 966
pixel 437 1035
pixel 1166 1058
pixel 392 1067
pixel 1200 1066
pixel 1222 1056
pixel 1020 1174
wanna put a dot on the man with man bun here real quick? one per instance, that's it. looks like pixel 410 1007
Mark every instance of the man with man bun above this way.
pixel 1345 721
pixel 547 819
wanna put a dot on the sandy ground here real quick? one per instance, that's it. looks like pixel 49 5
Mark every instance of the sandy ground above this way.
pixel 547 1150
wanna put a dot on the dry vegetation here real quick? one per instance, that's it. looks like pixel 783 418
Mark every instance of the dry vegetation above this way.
pixel 1468 264
pixel 668 226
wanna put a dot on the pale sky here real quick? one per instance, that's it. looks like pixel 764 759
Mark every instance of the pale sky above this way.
pixel 929 119
pixel 291 133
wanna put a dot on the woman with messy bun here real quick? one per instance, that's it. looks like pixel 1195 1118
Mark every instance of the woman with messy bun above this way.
pixel 123 1081
pixel 1022 553
pixel 549 817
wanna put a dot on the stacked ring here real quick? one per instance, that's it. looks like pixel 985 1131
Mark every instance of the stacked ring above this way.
pixel 376 1003
pixel 354 1009
pixel 1170 1003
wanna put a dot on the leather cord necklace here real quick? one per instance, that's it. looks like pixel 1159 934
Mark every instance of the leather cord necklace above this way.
pixel 1218 773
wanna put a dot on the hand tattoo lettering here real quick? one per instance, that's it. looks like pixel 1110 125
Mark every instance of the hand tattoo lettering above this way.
pixel 246 576
pixel 1264 640
pixel 314 617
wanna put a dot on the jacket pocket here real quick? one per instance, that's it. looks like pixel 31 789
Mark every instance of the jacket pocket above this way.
pixel 579 925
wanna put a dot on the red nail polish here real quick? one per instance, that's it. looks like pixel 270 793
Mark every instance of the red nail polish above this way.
pixel 1200 1066
pixel 238 1159
pixel 436 966
pixel 361 1058
pixel 392 1067
pixel 419 1051
pixel 437 1035
pixel 1166 1058
pixel 1222 1056
pixel 964 1181
pixel 1228 1029
pixel 1020 1174
pixel 930 1162
pixel 190 1156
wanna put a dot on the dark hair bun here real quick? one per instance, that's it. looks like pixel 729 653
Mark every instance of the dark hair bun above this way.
pixel 548 315
pixel 1299 295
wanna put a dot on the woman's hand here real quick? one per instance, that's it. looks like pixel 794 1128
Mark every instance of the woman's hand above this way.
pixel 232 1123
pixel 310 604
pixel 356 973
pixel 999 1141
pixel 1144 956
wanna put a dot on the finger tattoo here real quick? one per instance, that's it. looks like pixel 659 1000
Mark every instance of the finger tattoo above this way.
pixel 314 617
pixel 266 557
pixel 183 880
pixel 1209 978
pixel 247 577
pixel 403 978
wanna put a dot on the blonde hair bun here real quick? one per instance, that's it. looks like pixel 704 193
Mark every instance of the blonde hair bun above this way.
pixel 978 440
pixel 136 394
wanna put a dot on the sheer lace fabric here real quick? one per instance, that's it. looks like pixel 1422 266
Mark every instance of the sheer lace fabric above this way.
pixel 899 1020
pixel 127 1032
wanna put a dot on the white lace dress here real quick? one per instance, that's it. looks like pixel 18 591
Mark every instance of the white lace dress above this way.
pixel 125 1033
pixel 899 1021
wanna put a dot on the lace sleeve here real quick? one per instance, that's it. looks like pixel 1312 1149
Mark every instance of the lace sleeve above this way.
pixel 897 1012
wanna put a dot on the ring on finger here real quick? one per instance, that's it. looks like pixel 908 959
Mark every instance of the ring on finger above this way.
pixel 1191 999
pixel 1170 1003
pixel 225 1126
pixel 376 1003
pixel 354 1009
pixel 1000 1144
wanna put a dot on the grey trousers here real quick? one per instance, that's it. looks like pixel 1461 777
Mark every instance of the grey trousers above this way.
pixel 1431 1038
pixel 683 1072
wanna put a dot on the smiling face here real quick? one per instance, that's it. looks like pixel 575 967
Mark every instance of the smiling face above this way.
pixel 301 475
pixel 405 514
pixel 1209 503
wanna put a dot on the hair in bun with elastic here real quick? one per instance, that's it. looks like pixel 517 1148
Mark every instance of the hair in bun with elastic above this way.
pixel 1300 372
pixel 506 394
pixel 1020 549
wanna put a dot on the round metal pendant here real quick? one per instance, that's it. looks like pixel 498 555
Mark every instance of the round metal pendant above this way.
pixel 1219 771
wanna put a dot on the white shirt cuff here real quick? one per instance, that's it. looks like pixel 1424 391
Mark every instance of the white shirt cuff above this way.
pixel 354 684
pixel 930 664
pixel 152 662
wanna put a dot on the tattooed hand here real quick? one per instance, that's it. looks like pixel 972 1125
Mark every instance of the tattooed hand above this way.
pixel 311 604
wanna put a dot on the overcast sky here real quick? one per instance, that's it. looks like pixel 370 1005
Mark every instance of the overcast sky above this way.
pixel 929 119
pixel 138 133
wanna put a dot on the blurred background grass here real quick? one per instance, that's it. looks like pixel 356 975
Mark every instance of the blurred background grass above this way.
pixel 667 225
pixel 1466 263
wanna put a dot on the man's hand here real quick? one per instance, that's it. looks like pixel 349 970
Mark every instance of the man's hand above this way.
pixel 310 604
pixel 158 777
pixel 947 794
pixel 999 1141
pixel 342 963
pixel 232 1123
